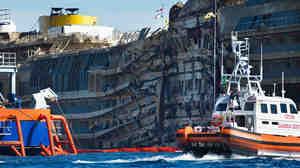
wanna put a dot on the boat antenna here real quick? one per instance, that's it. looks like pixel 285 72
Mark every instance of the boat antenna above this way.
pixel 261 60
pixel 215 45
pixel 222 62
pixel 274 91
pixel 282 91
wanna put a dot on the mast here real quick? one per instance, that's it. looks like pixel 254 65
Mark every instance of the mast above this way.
pixel 242 69
pixel 261 60
pixel 282 91
pixel 222 62
pixel 215 45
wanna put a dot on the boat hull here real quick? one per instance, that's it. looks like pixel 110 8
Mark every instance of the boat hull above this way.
pixel 234 141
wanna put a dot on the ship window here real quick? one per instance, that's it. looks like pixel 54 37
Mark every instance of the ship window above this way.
pixel 264 108
pixel 293 109
pixel 265 122
pixel 222 107
pixel 249 106
pixel 273 108
pixel 283 108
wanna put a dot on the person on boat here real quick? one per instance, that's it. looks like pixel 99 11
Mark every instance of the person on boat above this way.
pixel 234 94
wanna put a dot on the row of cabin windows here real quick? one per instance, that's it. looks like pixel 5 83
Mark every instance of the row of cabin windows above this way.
pixel 267 123
pixel 283 108
pixel 249 106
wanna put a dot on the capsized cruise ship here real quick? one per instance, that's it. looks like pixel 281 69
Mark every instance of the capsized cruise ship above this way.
pixel 137 88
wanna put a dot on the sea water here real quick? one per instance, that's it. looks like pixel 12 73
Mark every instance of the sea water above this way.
pixel 145 160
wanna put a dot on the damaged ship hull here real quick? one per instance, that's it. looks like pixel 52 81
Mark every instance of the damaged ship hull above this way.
pixel 129 95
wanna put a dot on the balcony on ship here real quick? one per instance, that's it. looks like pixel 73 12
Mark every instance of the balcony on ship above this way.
pixel 260 18
pixel 105 85
pixel 101 126
pixel 99 121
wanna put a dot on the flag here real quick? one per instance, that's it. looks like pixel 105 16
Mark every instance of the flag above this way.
pixel 166 22
pixel 209 15
pixel 159 16
pixel 224 80
pixel 159 13
pixel 160 10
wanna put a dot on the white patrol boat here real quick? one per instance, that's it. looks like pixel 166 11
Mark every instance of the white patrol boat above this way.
pixel 246 121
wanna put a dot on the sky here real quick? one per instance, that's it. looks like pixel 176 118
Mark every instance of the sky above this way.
pixel 125 15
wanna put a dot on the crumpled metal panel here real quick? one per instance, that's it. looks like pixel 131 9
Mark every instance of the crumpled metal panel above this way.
pixel 195 5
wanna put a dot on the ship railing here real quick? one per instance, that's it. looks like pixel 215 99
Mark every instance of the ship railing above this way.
pixel 76 94
pixel 282 21
pixel 148 120
pixel 8 59
pixel 89 115
pixel 98 131
pixel 113 90
pixel 101 112
pixel 101 132
pixel 105 72
pixel 195 53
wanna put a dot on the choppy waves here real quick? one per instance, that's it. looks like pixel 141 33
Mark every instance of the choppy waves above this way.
pixel 147 160
pixel 164 158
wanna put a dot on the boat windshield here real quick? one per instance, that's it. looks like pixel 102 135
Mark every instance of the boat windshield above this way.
pixel 293 109
pixel 249 106
pixel 222 107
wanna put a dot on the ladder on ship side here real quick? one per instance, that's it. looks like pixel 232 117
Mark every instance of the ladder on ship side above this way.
pixel 57 128
pixel 56 146
pixel 244 49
